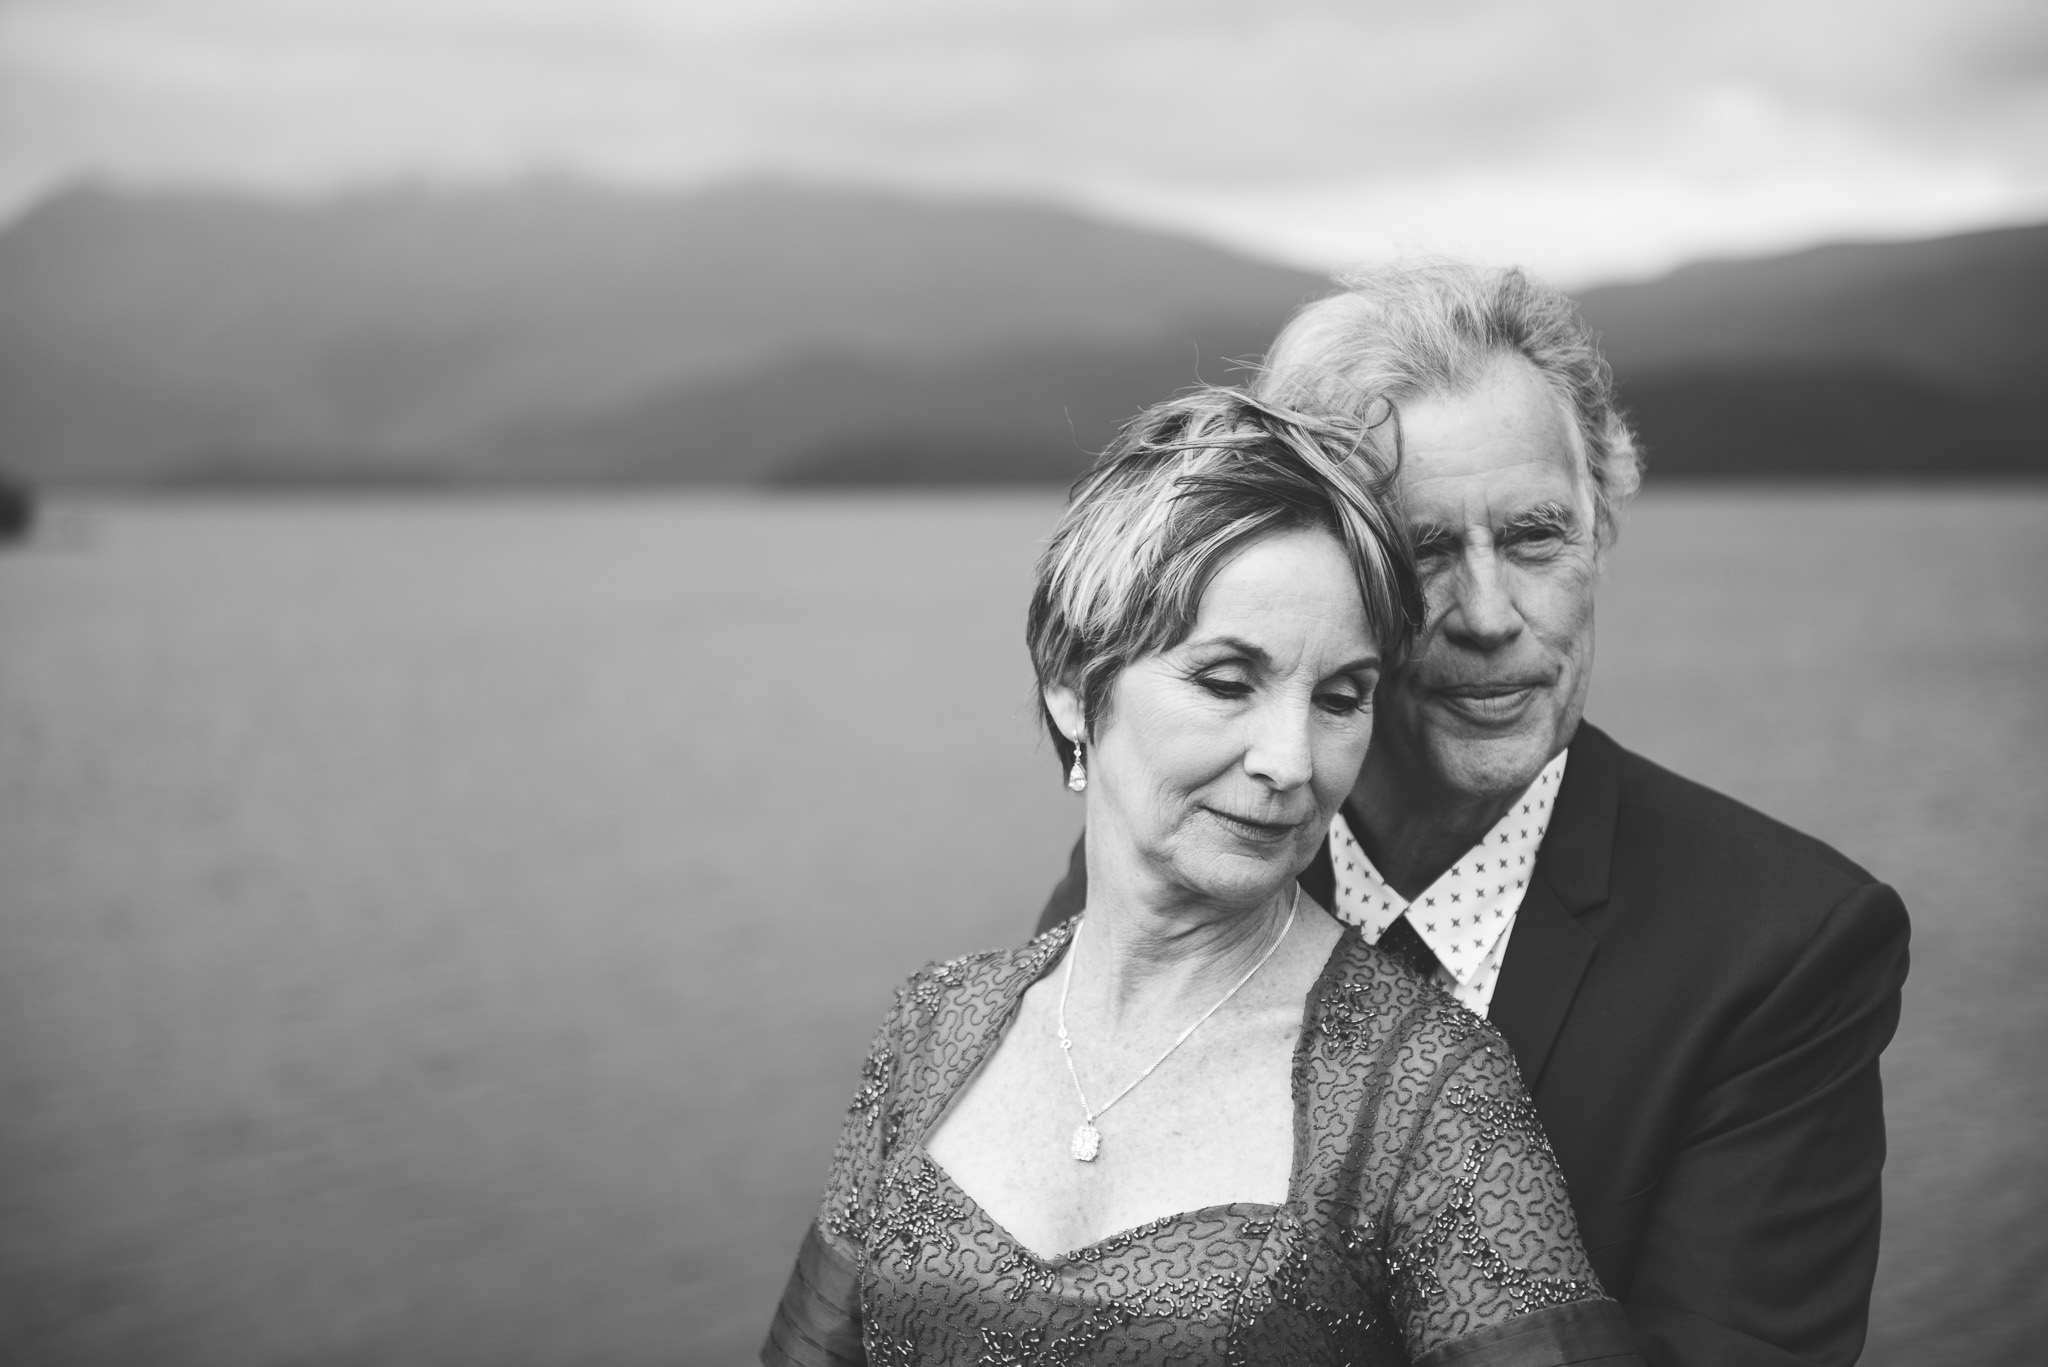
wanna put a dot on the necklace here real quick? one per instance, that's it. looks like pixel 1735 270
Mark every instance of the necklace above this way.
pixel 1087 1139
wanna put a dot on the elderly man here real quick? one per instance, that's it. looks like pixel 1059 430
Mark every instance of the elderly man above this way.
pixel 1697 995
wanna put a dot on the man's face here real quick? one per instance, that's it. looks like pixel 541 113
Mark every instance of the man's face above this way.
pixel 1507 552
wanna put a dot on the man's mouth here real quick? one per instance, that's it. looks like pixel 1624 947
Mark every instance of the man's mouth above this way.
pixel 1492 703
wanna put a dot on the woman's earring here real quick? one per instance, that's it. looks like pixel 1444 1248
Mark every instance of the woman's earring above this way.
pixel 1077 777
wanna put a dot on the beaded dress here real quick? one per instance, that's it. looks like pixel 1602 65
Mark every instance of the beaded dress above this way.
pixel 1425 1220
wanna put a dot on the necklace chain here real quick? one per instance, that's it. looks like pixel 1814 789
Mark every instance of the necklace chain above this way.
pixel 1067 1043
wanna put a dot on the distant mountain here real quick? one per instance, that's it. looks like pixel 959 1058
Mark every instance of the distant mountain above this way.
pixel 1920 358
pixel 563 332
pixel 1029 412
pixel 557 332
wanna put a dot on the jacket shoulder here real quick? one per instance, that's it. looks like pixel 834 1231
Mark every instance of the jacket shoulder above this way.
pixel 1744 881
pixel 1671 812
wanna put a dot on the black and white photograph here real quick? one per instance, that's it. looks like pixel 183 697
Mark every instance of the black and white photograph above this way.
pixel 691 683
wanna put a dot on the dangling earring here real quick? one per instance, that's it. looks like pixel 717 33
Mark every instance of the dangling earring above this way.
pixel 1077 777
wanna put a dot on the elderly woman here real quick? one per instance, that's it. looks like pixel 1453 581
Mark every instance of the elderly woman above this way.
pixel 1201 1122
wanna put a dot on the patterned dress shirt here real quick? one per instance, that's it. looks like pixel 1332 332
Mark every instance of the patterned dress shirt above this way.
pixel 1464 916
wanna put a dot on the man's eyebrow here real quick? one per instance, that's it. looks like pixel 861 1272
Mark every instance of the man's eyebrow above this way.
pixel 1429 533
pixel 1553 516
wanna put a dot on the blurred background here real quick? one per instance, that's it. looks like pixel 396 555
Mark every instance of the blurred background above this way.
pixel 519 515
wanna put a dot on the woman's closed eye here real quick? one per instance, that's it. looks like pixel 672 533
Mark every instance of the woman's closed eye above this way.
pixel 1223 685
pixel 1343 701
pixel 1338 699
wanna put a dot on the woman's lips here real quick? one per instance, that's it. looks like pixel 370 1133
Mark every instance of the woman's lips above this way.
pixel 1259 832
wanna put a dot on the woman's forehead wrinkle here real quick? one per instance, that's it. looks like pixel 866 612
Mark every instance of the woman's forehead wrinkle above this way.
pixel 1321 629
pixel 1282 615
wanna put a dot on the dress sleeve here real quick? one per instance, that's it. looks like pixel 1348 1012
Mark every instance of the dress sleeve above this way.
pixel 818 1321
pixel 1486 1265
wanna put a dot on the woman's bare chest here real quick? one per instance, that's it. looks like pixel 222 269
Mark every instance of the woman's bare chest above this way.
pixel 1213 1124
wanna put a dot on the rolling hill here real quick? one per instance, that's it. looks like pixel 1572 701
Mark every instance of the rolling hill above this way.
pixel 1909 358
pixel 771 333
pixel 561 332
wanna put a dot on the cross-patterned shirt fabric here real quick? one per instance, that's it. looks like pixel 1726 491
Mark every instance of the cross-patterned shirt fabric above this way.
pixel 1465 915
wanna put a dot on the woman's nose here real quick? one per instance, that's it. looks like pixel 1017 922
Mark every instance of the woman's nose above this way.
pixel 1279 751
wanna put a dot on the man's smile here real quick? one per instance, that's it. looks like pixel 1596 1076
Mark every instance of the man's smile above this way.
pixel 1490 702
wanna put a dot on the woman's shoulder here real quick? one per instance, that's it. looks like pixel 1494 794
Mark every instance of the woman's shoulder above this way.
pixel 1368 1006
pixel 974 987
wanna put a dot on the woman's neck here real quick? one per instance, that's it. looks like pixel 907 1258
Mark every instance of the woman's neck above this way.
pixel 1148 950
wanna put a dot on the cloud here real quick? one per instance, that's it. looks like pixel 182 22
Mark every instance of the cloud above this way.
pixel 1293 126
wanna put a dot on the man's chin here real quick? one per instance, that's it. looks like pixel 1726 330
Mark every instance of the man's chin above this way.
pixel 1482 765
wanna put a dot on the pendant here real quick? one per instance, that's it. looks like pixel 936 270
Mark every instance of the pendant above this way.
pixel 1087 1143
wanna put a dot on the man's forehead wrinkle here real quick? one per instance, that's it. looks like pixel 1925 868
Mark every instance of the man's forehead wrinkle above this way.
pixel 1543 468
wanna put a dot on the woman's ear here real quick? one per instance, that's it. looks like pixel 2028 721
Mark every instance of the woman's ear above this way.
pixel 1064 705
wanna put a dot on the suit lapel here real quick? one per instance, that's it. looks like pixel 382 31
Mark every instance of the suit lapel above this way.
pixel 1547 955
pixel 1550 948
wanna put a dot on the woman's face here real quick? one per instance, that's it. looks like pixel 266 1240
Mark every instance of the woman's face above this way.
pixel 1219 761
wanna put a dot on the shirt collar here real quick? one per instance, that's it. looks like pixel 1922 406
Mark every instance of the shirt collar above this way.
pixel 1463 914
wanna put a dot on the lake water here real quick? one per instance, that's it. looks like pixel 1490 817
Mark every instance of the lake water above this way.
pixel 447 931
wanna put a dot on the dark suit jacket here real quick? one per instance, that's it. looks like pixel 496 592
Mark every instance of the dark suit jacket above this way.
pixel 1698 996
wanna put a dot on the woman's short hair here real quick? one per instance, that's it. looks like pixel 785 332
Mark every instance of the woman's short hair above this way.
pixel 1398 331
pixel 1185 486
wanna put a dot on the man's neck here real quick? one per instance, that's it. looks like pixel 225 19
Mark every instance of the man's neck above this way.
pixel 1413 831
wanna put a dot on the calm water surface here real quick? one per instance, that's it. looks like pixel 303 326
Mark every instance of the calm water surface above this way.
pixel 447 932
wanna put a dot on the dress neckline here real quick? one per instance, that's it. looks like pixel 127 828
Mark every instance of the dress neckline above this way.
pixel 1251 1210
pixel 1298 1100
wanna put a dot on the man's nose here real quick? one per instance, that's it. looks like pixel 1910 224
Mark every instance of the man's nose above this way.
pixel 1482 612
pixel 1279 751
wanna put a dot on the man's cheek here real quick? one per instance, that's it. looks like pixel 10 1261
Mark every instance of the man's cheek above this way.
pixel 1564 605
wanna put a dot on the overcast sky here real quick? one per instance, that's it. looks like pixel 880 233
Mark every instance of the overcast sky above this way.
pixel 1593 139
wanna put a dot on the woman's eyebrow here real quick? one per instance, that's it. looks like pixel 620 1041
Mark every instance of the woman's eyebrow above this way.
pixel 1235 645
pixel 1258 656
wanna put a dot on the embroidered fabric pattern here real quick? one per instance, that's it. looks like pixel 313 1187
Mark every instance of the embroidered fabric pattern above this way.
pixel 1425 1205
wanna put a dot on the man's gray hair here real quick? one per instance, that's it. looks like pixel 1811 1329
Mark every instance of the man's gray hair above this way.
pixel 1186 485
pixel 1407 330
